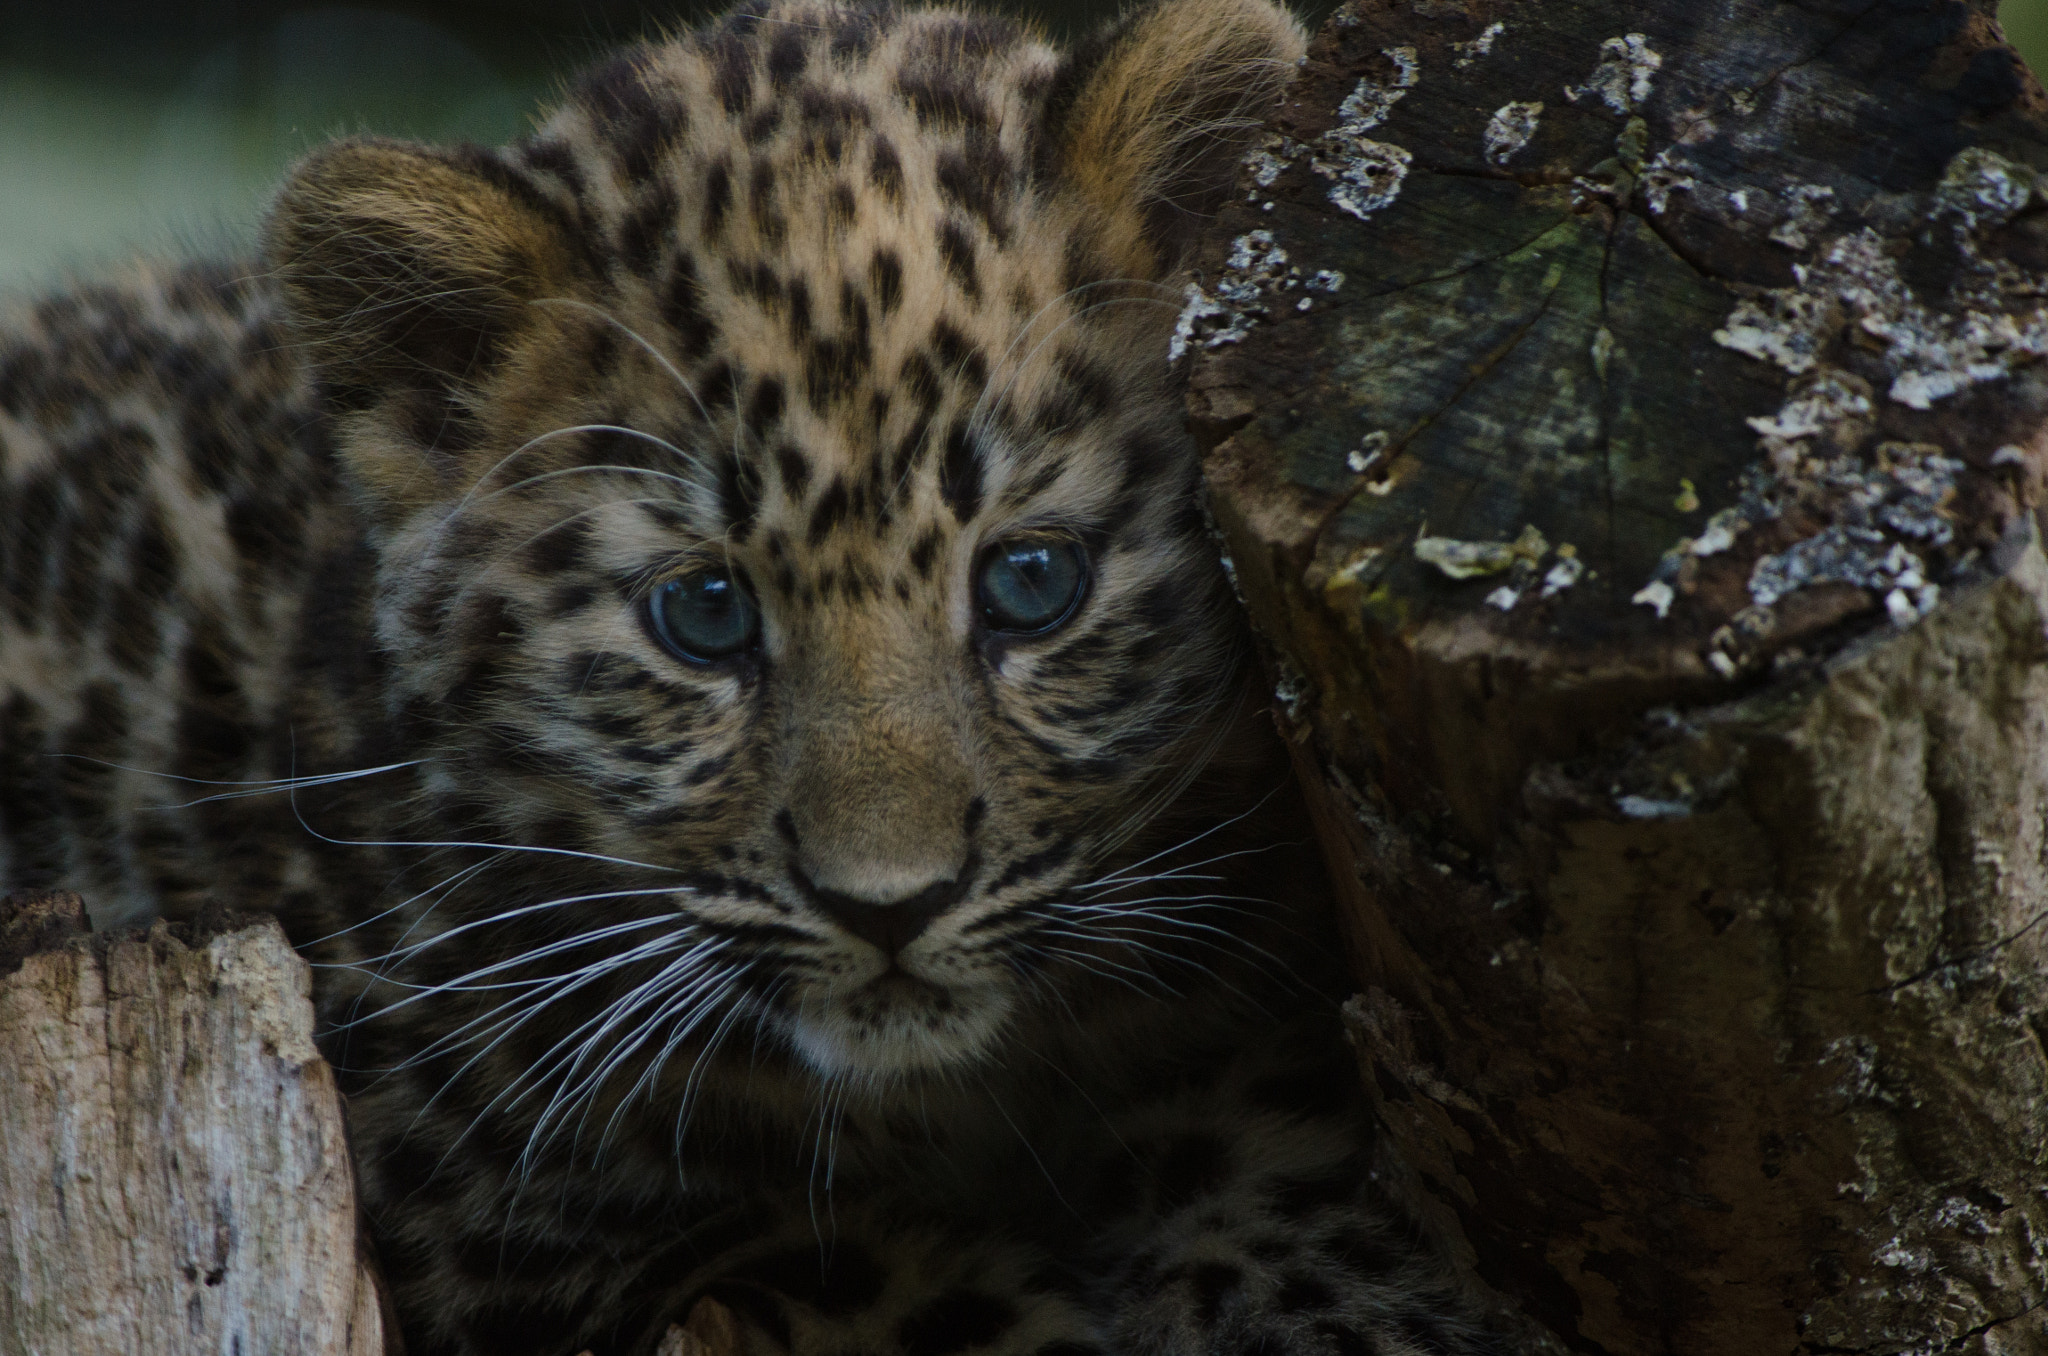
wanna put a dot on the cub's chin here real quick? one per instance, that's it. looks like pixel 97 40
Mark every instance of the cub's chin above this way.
pixel 895 1026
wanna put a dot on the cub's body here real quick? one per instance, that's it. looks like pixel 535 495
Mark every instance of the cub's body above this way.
pixel 700 623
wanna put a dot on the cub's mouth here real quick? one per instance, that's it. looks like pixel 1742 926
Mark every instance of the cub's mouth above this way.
pixel 896 1023
pixel 897 985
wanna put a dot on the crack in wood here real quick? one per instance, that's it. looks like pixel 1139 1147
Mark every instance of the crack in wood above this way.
pixel 1477 373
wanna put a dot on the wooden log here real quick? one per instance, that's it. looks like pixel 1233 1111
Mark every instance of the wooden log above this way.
pixel 1626 422
pixel 174 1170
pixel 711 1329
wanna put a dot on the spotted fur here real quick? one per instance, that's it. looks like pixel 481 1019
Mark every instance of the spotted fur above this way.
pixel 907 982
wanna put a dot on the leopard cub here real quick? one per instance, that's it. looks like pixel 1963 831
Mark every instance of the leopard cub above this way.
pixel 700 622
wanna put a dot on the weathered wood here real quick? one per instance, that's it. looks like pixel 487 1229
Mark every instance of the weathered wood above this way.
pixel 1641 524
pixel 174 1171
pixel 710 1330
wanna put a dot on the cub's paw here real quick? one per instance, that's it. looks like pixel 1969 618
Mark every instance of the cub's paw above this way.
pixel 1248 1225
pixel 1340 1287
pixel 881 1285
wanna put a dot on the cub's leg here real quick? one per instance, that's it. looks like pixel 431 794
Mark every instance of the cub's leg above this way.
pixel 888 1287
pixel 1249 1216
pixel 849 1282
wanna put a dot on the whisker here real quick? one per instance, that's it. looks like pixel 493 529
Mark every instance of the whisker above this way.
pixel 252 787
pixel 406 953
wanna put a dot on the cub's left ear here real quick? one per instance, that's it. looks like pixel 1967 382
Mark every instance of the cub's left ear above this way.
pixel 1164 104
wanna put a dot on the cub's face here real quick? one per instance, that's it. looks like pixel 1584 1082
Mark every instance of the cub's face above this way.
pixel 783 516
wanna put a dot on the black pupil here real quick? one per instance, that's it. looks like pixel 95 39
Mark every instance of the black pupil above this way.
pixel 706 616
pixel 1030 586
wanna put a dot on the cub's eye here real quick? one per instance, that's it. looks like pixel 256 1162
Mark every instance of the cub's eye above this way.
pixel 704 617
pixel 1031 584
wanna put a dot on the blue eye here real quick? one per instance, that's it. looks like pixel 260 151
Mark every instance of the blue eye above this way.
pixel 704 617
pixel 1030 585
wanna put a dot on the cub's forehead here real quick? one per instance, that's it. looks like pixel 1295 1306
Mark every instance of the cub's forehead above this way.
pixel 837 216
pixel 773 132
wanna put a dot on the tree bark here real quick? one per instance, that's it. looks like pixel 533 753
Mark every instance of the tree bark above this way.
pixel 174 1170
pixel 174 1167
pixel 1625 421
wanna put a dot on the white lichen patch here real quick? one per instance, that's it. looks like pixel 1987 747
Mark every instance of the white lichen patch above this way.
pixel 1370 449
pixel 1897 1254
pixel 1856 283
pixel 1326 280
pixel 1656 595
pixel 1255 270
pixel 1408 69
pixel 1601 351
pixel 1509 130
pixel 1825 412
pixel 1227 316
pixel 1885 509
pixel 1984 189
pixel 1198 307
pixel 1835 555
pixel 1292 690
pixel 1270 159
pixel 1568 571
pixel 1504 598
pixel 1469 52
pixel 1958 1213
pixel 1820 405
pixel 1788 331
pixel 1664 176
pixel 1887 516
pixel 1808 207
pixel 1367 106
pixel 1647 807
pixel 1255 258
pixel 1622 79
pixel 1722 530
pixel 1367 174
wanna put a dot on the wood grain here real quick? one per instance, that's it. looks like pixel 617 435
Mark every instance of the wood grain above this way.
pixel 1636 494
pixel 174 1171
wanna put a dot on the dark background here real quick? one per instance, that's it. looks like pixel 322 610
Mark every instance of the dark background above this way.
pixel 132 126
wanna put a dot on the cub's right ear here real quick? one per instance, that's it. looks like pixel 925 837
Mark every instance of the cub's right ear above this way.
pixel 1157 113
pixel 410 275
pixel 411 266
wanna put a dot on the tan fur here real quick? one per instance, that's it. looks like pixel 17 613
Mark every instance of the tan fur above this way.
pixel 1185 77
pixel 914 978
pixel 376 239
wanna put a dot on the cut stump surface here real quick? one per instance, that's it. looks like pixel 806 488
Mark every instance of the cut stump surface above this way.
pixel 1625 422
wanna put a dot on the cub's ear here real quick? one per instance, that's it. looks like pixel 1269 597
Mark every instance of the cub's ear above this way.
pixel 410 274
pixel 1164 103
pixel 413 265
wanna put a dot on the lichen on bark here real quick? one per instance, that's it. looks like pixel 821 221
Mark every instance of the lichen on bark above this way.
pixel 1643 534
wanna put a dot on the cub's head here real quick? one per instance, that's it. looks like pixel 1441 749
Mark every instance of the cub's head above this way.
pixel 782 510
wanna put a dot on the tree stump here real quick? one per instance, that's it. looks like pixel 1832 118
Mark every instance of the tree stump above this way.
pixel 1626 423
pixel 174 1171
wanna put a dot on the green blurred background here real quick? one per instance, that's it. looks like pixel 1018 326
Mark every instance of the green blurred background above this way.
pixel 141 125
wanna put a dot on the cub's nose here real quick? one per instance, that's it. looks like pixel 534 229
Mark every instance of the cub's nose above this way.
pixel 858 861
pixel 888 926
